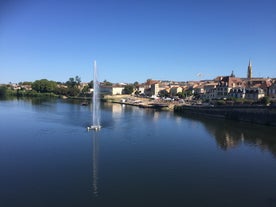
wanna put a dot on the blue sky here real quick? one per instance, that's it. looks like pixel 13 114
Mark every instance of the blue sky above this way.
pixel 134 40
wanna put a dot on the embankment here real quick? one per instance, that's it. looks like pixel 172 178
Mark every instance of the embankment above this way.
pixel 265 115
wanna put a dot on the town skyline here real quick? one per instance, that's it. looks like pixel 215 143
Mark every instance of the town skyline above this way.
pixel 249 75
pixel 134 41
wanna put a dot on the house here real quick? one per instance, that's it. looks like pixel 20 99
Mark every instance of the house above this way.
pixel 272 90
pixel 111 90
pixel 254 93
pixel 140 89
pixel 237 92
pixel 263 83
pixel 225 84
pixel 209 90
pixel 175 90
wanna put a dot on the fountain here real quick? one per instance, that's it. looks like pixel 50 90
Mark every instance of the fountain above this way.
pixel 95 103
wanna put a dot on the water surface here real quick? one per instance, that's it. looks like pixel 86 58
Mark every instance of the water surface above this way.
pixel 140 158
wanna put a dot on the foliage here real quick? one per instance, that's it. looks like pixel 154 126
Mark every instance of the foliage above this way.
pixel 128 89
pixel 238 101
pixel 164 93
pixel 25 83
pixel 61 91
pixel 136 85
pixel 78 80
pixel 91 84
pixel 248 102
pixel 264 100
pixel 220 102
pixel 44 86
pixel 3 91
pixel 85 89
pixel 107 83
pixel 73 86
pixel 184 94
pixel 73 91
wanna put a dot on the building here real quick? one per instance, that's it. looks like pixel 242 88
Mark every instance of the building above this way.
pixel 272 91
pixel 175 90
pixel 254 93
pixel 249 70
pixel 225 84
pixel 238 92
pixel 111 90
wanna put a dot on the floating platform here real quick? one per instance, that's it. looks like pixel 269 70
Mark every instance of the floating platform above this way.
pixel 95 128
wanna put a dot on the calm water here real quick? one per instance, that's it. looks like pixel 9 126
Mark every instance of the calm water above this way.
pixel 139 158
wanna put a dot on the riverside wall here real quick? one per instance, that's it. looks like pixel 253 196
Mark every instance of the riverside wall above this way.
pixel 265 115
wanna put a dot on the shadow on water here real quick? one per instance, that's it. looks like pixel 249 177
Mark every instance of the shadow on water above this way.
pixel 229 134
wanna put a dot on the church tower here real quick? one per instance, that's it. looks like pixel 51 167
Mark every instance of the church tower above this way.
pixel 249 70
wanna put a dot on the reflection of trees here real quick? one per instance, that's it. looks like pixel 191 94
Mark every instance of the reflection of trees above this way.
pixel 229 134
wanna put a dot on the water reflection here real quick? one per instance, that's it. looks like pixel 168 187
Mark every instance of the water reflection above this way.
pixel 230 134
pixel 95 164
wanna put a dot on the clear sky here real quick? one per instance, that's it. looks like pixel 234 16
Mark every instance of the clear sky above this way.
pixel 136 40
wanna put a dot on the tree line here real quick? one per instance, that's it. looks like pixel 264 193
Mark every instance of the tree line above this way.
pixel 70 88
pixel 45 87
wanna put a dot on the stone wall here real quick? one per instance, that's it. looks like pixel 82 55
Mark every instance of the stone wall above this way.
pixel 255 114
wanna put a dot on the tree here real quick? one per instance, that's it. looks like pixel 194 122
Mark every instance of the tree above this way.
pixel 91 84
pixel 78 80
pixel 265 100
pixel 71 82
pixel 136 84
pixel 107 83
pixel 73 91
pixel 3 91
pixel 128 89
pixel 44 86
pixel 164 93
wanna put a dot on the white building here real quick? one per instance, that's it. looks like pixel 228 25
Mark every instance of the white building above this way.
pixel 111 90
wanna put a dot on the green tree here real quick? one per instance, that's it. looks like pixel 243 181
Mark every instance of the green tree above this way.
pixel 71 82
pixel 91 84
pixel 26 83
pixel 164 93
pixel 44 86
pixel 107 83
pixel 78 80
pixel 73 91
pixel 61 91
pixel 136 84
pixel 128 89
pixel 3 91
pixel 265 100
pixel 85 89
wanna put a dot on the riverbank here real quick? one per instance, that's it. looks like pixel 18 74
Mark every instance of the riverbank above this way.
pixel 139 102
pixel 265 115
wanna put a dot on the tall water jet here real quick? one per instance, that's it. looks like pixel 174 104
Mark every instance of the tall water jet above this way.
pixel 95 101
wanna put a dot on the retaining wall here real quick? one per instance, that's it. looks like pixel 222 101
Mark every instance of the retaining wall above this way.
pixel 265 115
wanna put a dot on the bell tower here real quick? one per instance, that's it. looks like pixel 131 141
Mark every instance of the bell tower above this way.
pixel 249 70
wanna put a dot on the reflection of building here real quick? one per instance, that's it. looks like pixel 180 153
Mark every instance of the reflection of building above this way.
pixel 230 134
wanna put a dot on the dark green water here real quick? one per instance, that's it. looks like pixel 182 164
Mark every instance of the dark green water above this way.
pixel 139 158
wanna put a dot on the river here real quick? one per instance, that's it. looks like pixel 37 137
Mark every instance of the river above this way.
pixel 141 157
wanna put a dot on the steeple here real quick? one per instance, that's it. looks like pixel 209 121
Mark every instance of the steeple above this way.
pixel 249 70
